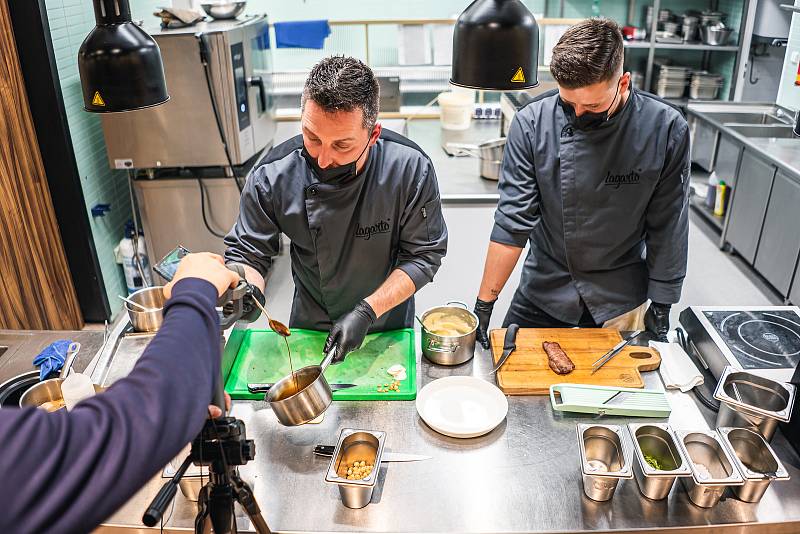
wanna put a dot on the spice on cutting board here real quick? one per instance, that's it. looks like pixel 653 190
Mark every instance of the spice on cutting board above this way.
pixel 394 387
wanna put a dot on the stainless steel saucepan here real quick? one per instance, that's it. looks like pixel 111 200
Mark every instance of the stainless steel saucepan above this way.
pixel 303 396
pixel 489 154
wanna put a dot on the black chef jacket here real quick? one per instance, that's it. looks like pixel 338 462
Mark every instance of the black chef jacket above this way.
pixel 346 237
pixel 604 209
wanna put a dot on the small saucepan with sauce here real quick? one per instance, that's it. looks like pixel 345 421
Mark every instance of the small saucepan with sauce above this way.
pixel 448 333
pixel 303 395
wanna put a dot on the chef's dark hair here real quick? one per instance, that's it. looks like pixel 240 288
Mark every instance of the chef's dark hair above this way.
pixel 588 52
pixel 339 83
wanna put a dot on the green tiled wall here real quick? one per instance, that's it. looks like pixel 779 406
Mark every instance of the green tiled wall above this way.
pixel 70 21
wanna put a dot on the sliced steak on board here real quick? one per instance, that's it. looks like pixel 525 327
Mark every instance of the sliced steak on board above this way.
pixel 557 359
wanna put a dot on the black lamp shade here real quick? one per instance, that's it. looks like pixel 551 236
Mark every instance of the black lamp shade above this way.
pixel 496 47
pixel 119 63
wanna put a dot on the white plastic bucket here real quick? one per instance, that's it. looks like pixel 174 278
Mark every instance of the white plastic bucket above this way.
pixel 455 109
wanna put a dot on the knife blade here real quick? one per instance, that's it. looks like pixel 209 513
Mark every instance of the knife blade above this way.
pixel 509 346
pixel 263 388
pixel 605 358
pixel 327 451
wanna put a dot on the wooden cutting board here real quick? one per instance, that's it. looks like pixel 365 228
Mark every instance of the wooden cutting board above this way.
pixel 526 372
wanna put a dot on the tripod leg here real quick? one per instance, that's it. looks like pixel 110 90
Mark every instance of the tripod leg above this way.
pixel 220 507
pixel 201 523
pixel 244 495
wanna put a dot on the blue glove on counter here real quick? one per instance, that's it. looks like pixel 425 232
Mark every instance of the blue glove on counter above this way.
pixel 51 359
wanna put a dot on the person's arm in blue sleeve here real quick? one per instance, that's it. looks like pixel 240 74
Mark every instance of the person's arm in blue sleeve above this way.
pixel 667 221
pixel 68 471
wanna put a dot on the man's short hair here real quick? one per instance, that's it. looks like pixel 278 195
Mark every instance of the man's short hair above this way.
pixel 339 83
pixel 589 52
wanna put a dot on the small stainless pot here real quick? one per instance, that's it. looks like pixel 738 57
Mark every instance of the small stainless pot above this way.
pixel 489 154
pixel 712 466
pixel 49 391
pixel 149 297
pixel 657 441
pixel 754 402
pixel 605 459
pixel 755 460
pixel 450 350
pixel 356 446
pixel 302 397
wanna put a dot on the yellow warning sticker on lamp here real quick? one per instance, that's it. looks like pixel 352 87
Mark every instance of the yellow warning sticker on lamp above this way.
pixel 98 100
pixel 519 76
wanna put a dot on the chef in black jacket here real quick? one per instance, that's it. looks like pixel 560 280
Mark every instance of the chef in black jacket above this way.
pixel 595 178
pixel 359 204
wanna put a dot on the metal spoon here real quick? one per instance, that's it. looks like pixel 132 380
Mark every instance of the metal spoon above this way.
pixel 276 326
pixel 143 308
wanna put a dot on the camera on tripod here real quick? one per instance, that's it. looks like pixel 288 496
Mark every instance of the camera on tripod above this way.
pixel 222 444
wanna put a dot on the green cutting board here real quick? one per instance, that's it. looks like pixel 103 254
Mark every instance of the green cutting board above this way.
pixel 262 358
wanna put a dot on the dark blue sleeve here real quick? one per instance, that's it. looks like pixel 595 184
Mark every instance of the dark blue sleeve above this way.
pixel 67 472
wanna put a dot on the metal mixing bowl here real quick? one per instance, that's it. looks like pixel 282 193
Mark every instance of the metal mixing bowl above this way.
pixel 224 10
pixel 717 35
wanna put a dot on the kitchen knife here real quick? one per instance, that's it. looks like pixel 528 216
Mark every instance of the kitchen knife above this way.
pixel 605 358
pixel 263 388
pixel 327 450
pixel 509 346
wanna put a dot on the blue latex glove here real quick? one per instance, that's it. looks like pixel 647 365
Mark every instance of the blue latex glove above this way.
pixel 51 359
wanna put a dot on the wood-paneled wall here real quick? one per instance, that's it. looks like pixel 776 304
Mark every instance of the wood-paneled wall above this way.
pixel 36 290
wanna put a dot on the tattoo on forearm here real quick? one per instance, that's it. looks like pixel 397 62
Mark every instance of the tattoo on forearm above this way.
pixel 494 292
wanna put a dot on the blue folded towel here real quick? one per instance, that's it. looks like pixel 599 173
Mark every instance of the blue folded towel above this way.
pixel 302 34
pixel 263 39
pixel 52 357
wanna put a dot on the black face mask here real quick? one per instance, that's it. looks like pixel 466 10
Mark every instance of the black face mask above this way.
pixel 589 120
pixel 333 174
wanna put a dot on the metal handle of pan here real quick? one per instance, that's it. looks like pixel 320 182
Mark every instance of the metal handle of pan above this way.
pixel 457 302
pixel 328 358
pixel 445 350
pixel 72 351
pixel 462 149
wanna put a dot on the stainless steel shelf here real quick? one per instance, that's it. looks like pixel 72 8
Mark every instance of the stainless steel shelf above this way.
pixel 704 47
pixel 637 44
pixel 700 208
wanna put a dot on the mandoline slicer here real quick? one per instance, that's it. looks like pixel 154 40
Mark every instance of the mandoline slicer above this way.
pixel 604 400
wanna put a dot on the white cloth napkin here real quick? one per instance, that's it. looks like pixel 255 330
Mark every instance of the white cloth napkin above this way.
pixel 678 371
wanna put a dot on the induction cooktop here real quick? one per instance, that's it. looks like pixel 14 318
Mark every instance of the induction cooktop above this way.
pixel 763 339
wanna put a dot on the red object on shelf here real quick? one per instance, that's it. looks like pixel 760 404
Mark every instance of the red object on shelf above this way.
pixel 797 77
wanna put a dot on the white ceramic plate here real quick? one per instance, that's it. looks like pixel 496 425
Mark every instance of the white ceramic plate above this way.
pixel 462 406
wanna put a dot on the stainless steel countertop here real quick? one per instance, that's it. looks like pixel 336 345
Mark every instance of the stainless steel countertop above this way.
pixel 783 153
pixel 23 345
pixel 522 477
pixel 459 177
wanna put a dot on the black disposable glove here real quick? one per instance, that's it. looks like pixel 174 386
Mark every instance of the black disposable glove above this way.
pixel 349 331
pixel 656 321
pixel 483 310
pixel 250 312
